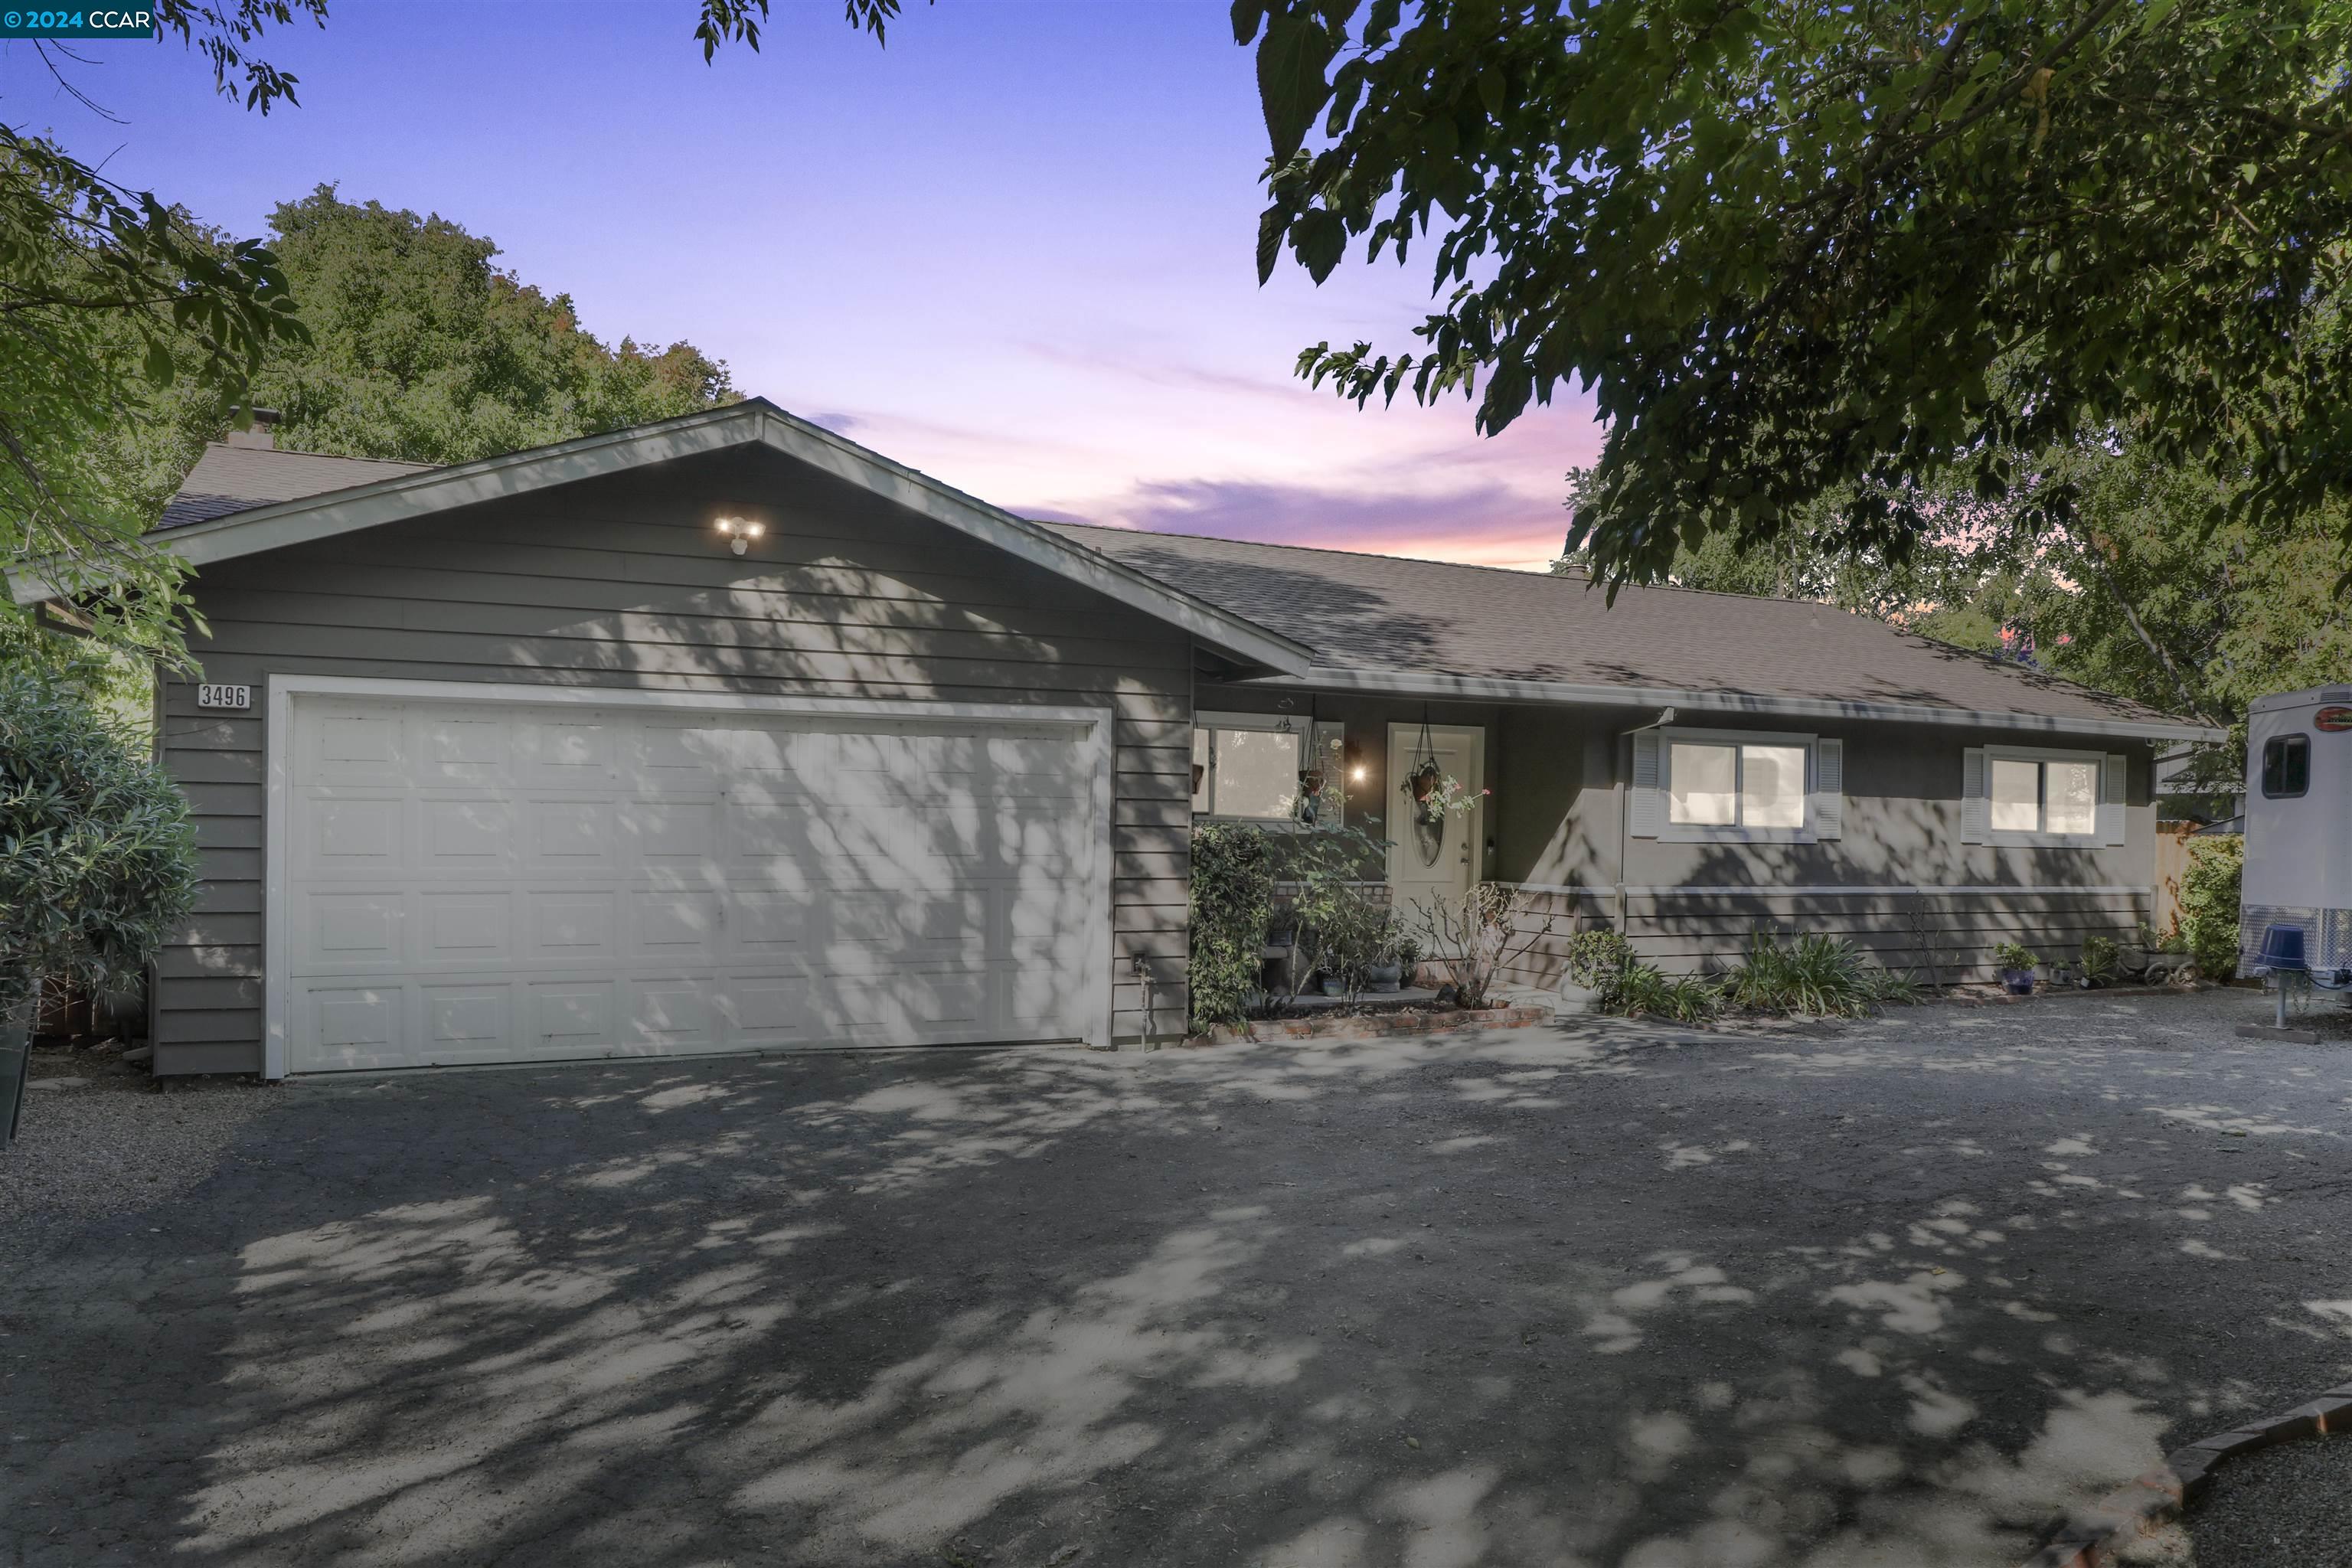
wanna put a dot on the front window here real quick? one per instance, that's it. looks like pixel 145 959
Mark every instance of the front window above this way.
pixel 1261 768
pixel 2047 797
pixel 1736 783
pixel 2286 766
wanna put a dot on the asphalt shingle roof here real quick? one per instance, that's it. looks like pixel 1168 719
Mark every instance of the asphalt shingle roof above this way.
pixel 1359 612
pixel 1384 612
pixel 228 479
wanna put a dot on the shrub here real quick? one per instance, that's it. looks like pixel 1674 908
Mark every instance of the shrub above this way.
pixel 2208 903
pixel 1596 958
pixel 1343 916
pixel 2015 955
pixel 1477 935
pixel 2102 960
pixel 1814 974
pixel 98 860
pixel 1643 990
pixel 1232 899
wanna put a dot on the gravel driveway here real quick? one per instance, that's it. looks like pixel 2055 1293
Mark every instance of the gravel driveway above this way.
pixel 1886 1294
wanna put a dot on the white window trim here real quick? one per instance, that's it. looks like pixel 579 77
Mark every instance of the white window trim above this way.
pixel 2092 840
pixel 1299 729
pixel 1673 832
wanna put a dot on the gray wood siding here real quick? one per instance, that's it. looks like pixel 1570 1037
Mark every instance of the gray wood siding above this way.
pixel 1939 937
pixel 624 583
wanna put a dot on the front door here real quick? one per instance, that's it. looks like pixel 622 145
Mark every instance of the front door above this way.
pixel 1438 857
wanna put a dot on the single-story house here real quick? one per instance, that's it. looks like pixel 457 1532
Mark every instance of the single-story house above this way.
pixel 726 733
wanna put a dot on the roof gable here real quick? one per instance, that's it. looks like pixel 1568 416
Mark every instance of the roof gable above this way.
pixel 212 525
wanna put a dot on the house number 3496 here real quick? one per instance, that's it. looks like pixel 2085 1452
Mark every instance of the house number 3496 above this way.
pixel 224 695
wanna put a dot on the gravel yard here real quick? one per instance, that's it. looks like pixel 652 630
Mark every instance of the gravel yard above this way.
pixel 101 1137
pixel 1588 1296
pixel 2288 1507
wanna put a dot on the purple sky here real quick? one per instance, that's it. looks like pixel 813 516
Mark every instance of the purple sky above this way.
pixel 1013 249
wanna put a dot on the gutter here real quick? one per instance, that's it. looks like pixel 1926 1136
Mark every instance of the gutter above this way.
pixel 1489 688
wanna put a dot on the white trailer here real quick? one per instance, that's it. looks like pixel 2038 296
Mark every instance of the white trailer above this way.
pixel 2296 902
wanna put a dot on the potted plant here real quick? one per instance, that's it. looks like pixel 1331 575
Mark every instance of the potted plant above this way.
pixel 1387 969
pixel 1597 963
pixel 2102 962
pixel 2016 963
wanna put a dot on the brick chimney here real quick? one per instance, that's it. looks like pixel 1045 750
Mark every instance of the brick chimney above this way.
pixel 263 435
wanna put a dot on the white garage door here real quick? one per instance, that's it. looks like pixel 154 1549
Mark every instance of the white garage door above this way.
pixel 487 882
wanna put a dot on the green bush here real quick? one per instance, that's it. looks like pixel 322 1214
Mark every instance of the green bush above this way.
pixel 1231 900
pixel 1596 958
pixel 2208 903
pixel 1815 973
pixel 2014 955
pixel 1643 990
pixel 2102 960
pixel 98 859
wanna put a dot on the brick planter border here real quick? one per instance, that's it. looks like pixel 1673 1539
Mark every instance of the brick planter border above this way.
pixel 2092 1537
pixel 1369 1026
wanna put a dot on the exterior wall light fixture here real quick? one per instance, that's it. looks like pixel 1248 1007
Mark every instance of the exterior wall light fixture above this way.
pixel 740 531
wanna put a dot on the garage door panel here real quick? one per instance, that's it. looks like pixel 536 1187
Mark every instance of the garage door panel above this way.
pixel 680 1014
pixel 341 929
pixel 568 924
pixel 670 925
pixel 351 746
pixel 464 927
pixel 345 834
pixel 570 753
pixel 353 1025
pixel 468 836
pixel 463 751
pixel 761 923
pixel 769 1009
pixel 571 1015
pixel 467 1023
pixel 561 835
pixel 671 831
pixel 477 881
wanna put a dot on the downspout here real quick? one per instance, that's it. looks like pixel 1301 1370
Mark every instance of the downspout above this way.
pixel 1625 817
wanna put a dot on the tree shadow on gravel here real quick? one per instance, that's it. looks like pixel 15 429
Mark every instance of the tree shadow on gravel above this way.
pixel 1562 1297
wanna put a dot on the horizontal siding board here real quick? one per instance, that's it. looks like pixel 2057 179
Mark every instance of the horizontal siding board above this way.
pixel 213 993
pixel 229 865
pixel 240 832
pixel 187 960
pixel 216 897
pixel 174 1060
pixel 806 633
pixel 205 1025
pixel 205 765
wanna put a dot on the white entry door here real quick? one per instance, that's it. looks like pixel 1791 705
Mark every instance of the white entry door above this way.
pixel 1440 859
pixel 480 881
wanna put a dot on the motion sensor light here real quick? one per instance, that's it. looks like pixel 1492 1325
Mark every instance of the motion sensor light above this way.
pixel 740 533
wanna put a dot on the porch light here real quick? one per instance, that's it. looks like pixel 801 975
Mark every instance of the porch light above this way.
pixel 740 533
pixel 1357 773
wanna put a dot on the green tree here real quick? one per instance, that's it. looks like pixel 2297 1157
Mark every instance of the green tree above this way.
pixel 1864 253
pixel 419 347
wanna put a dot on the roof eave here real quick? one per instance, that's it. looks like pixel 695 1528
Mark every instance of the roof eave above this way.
pixel 753 422
pixel 1482 688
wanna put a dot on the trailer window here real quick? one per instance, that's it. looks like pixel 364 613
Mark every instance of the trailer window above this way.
pixel 2286 766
